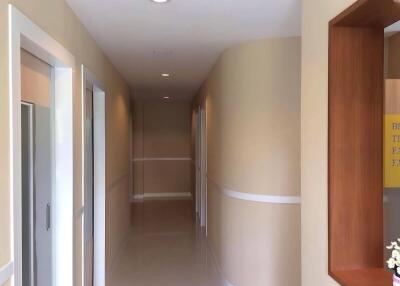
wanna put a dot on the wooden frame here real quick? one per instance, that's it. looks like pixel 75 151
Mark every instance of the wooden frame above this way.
pixel 356 110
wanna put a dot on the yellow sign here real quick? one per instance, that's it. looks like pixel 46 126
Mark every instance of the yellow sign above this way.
pixel 392 151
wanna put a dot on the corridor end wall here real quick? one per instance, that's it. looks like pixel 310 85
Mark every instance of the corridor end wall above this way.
pixel 161 148
pixel 252 99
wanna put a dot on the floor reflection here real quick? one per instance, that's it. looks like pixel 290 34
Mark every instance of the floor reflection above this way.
pixel 165 247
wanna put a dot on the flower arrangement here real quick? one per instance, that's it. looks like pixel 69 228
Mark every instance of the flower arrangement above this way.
pixel 394 262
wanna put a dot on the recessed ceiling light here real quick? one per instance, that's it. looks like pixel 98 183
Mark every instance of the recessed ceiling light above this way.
pixel 160 1
pixel 165 75
pixel 167 97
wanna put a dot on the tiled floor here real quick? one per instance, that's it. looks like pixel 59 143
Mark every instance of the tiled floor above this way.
pixel 165 247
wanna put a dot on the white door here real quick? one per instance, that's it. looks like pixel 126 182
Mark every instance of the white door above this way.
pixel 43 194
pixel 36 143
pixel 28 250
pixel 203 182
pixel 198 163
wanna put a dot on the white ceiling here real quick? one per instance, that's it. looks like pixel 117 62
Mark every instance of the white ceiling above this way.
pixel 183 37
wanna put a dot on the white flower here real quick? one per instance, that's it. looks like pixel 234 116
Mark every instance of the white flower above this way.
pixel 396 254
pixel 394 245
pixel 391 263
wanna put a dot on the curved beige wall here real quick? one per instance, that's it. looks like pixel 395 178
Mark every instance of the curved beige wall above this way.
pixel 253 141
pixel 314 138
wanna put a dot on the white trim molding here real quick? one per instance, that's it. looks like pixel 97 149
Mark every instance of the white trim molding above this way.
pixel 292 200
pixel 161 159
pixel 6 272
pixel 141 197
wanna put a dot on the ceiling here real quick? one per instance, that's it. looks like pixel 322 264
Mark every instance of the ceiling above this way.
pixel 183 37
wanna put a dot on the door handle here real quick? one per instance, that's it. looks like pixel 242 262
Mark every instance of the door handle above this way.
pixel 48 217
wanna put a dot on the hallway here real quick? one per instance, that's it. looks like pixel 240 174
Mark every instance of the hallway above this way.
pixel 199 143
pixel 165 247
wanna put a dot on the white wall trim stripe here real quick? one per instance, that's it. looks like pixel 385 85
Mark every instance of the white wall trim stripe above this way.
pixel 6 272
pixel 294 200
pixel 142 197
pixel 161 159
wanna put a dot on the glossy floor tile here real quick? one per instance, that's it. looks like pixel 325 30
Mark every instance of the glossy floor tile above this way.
pixel 165 247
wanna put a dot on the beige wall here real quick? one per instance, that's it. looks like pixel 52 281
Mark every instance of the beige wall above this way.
pixel 58 20
pixel 161 129
pixel 253 144
pixel 314 138
pixel 35 80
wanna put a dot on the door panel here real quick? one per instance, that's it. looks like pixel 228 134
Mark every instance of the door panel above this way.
pixel 43 189
pixel 89 189
pixel 27 195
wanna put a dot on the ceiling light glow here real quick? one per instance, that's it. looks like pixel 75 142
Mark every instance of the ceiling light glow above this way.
pixel 167 97
pixel 165 75
pixel 160 1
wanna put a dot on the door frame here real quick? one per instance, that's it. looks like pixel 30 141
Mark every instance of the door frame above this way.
pixel 23 33
pixel 89 81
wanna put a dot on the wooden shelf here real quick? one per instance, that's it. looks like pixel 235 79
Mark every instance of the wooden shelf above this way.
pixel 364 277
pixel 355 148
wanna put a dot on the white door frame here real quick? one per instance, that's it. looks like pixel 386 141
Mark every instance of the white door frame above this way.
pixel 23 33
pixel 90 82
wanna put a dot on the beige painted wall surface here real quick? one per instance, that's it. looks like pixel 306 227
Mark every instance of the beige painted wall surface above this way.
pixel 253 144
pixel 166 129
pixel 314 138
pixel 161 130
pixel 35 80
pixel 255 127
pixel 57 19
pixel 167 177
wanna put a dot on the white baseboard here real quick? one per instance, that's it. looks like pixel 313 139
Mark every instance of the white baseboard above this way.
pixel 155 196
pixel 6 272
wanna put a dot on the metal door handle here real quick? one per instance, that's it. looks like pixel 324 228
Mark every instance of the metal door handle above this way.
pixel 48 217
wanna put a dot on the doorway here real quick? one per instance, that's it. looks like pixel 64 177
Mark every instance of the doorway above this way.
pixel 93 181
pixel 201 167
pixel 42 173
pixel 36 143
pixel 89 189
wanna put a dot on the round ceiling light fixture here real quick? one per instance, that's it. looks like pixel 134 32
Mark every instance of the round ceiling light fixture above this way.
pixel 160 1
